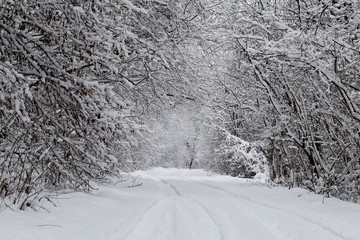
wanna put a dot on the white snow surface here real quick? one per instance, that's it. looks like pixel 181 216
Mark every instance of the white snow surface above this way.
pixel 181 204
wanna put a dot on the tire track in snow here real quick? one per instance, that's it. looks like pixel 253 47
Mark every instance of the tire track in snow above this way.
pixel 148 223
pixel 234 223
pixel 211 215
pixel 259 203
pixel 126 228
pixel 177 229
pixel 190 203
pixel 172 187
pixel 171 217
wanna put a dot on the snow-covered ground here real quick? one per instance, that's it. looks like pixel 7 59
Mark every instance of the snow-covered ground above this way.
pixel 186 204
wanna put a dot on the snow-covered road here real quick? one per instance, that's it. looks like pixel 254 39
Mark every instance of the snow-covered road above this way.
pixel 173 204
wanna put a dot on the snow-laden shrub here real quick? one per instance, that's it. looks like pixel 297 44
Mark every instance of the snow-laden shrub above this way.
pixel 342 184
pixel 239 158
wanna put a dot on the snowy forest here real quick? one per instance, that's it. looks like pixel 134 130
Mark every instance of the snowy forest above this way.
pixel 90 89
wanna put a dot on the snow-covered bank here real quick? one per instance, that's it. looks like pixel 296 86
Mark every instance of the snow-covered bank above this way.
pixel 186 204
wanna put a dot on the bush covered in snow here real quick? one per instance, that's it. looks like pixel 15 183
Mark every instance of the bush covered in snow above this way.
pixel 239 159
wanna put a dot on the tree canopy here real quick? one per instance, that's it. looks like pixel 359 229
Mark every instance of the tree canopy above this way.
pixel 89 89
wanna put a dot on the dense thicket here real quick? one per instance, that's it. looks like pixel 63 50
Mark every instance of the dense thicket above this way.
pixel 291 86
pixel 74 76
